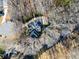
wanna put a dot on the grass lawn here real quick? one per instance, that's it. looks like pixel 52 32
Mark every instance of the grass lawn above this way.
pixel 0 19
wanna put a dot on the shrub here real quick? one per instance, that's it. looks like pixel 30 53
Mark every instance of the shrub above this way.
pixel 1 51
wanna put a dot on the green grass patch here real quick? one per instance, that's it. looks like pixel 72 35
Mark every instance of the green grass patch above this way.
pixel 0 19
pixel 62 2
pixel 32 15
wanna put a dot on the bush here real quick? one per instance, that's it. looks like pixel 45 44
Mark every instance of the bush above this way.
pixel 1 51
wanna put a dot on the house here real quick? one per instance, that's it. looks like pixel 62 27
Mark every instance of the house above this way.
pixel 37 25
pixel 1 8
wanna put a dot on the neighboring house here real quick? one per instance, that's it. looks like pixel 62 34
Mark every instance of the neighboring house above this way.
pixel 1 8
